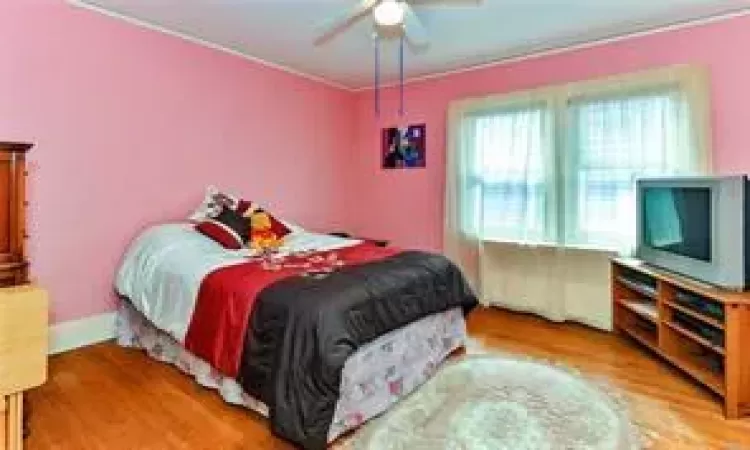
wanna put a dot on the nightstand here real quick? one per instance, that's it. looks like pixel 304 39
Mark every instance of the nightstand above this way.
pixel 23 356
pixel 377 242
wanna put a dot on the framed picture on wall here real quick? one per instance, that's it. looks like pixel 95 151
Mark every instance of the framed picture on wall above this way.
pixel 404 148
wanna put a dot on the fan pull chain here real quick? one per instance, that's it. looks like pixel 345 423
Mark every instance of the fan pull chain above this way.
pixel 377 76
pixel 401 75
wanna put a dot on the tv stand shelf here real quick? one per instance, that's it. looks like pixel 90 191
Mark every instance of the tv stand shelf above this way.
pixel 695 327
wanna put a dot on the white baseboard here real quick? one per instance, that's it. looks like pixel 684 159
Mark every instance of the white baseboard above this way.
pixel 79 333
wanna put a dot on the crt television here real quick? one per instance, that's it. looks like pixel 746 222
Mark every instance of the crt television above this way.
pixel 695 226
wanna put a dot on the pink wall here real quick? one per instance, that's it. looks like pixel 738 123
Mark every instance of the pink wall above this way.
pixel 130 125
pixel 407 206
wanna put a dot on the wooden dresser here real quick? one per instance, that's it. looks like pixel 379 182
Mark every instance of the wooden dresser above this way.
pixel 13 262
pixel 23 307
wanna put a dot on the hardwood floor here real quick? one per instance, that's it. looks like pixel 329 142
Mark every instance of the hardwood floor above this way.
pixel 106 397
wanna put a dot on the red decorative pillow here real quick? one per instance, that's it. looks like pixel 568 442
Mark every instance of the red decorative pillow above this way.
pixel 229 229
pixel 244 207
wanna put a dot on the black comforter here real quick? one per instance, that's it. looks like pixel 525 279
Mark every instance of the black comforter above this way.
pixel 303 329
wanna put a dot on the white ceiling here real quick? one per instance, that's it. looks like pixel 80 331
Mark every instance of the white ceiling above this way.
pixel 282 31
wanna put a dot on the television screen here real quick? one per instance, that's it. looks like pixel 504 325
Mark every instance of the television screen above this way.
pixel 678 220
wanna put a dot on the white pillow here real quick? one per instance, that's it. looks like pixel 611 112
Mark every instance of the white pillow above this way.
pixel 212 203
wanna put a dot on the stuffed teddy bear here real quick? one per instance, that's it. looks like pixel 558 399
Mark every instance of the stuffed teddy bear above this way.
pixel 262 234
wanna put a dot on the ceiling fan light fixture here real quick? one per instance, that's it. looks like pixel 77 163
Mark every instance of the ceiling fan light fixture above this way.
pixel 388 13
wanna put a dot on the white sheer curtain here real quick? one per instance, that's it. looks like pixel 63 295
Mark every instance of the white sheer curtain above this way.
pixel 540 183
pixel 613 141
pixel 515 172
pixel 513 149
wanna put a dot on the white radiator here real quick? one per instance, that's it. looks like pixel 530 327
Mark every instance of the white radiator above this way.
pixel 558 284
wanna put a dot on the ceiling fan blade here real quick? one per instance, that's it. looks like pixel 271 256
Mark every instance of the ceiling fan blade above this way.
pixel 414 31
pixel 341 22
pixel 447 2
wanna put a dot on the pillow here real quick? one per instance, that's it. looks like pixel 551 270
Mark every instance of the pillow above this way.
pixel 228 228
pixel 212 204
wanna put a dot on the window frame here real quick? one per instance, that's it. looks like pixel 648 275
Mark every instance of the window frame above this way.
pixel 691 82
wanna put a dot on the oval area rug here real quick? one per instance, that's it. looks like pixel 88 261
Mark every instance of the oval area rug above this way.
pixel 495 403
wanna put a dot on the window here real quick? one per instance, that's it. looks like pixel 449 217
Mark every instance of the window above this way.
pixel 512 173
pixel 617 140
pixel 558 166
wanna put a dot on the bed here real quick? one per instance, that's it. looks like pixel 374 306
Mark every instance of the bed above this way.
pixel 319 336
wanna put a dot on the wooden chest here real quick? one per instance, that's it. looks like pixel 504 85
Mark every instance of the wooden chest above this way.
pixel 23 308
pixel 13 263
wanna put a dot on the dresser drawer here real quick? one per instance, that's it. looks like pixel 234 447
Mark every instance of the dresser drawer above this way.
pixel 9 278
pixel 13 273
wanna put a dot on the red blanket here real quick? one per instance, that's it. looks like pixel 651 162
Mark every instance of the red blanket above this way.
pixel 226 298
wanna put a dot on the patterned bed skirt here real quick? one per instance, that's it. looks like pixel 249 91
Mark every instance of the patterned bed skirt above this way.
pixel 373 379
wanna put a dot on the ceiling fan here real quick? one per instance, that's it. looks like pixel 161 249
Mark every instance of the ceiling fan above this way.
pixel 392 17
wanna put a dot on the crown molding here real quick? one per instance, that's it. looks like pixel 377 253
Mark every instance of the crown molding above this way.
pixel 523 56
pixel 202 42
pixel 568 48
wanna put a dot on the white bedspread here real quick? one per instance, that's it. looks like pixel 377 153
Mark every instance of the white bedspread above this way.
pixel 163 268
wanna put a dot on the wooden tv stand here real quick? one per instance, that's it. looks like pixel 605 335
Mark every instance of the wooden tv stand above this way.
pixel 662 311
